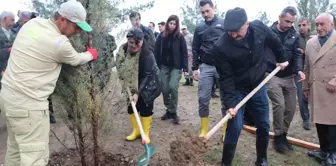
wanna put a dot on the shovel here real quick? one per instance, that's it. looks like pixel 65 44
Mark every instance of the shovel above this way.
pixel 144 159
pixel 241 103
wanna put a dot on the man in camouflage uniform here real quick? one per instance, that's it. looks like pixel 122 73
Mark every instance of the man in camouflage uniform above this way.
pixel 189 39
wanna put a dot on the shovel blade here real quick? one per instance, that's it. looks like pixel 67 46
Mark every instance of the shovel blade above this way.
pixel 145 158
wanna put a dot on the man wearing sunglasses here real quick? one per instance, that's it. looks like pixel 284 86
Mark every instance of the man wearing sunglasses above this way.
pixel 34 65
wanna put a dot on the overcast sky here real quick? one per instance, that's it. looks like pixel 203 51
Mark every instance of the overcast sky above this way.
pixel 164 8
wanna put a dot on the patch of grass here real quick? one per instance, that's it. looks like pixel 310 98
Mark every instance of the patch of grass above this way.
pixel 182 80
pixel 214 157
pixel 294 158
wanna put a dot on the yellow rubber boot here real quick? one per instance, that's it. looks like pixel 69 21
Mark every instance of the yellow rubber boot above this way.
pixel 204 126
pixel 146 124
pixel 224 130
pixel 135 133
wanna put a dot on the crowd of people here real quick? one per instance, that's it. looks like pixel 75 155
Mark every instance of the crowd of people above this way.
pixel 232 54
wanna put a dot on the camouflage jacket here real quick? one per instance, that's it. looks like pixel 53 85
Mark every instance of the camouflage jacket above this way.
pixel 128 68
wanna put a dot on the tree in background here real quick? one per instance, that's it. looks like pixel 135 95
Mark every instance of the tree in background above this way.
pixel 264 17
pixel 87 94
pixel 310 9
pixel 191 14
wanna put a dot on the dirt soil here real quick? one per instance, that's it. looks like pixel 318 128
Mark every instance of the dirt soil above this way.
pixel 187 150
pixel 176 144
pixel 70 158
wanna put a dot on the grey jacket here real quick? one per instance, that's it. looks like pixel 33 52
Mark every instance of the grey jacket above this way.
pixel 189 39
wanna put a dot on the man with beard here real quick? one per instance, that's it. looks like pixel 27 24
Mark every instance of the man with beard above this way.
pixel 205 35
pixel 239 56
pixel 281 88
pixel 304 29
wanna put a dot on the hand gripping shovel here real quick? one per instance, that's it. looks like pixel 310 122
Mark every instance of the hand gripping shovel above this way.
pixel 241 103
pixel 144 159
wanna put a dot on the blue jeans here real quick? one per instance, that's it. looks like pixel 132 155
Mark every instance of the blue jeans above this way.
pixel 259 112
pixel 303 101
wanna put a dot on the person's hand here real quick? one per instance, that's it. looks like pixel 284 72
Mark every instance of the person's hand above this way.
pixel 185 74
pixel 302 76
pixel 2 73
pixel 306 93
pixel 195 72
pixel 135 98
pixel 93 52
pixel 9 49
pixel 283 65
pixel 331 86
pixel 300 50
pixel 232 112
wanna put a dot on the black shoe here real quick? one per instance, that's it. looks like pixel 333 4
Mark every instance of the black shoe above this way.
pixel 214 95
pixel 187 82
pixel 330 160
pixel 176 119
pixel 317 155
pixel 261 162
pixel 261 146
pixel 166 116
pixel 228 154
pixel 191 82
pixel 289 146
pixel 52 118
pixel 306 125
pixel 279 144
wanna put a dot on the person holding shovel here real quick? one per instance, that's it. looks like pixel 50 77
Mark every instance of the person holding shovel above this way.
pixel 240 57
pixel 34 65
pixel 138 72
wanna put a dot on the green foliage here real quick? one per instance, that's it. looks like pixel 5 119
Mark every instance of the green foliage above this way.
pixel 191 14
pixel 310 9
pixel 264 17
pixel 47 8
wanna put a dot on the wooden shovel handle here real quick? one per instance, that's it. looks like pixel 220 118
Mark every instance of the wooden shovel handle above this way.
pixel 291 140
pixel 241 103
pixel 137 117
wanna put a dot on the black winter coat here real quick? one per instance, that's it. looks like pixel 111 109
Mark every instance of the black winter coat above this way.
pixel 291 44
pixel 241 68
pixel 205 36
pixel 149 79
pixel 179 51
pixel 149 36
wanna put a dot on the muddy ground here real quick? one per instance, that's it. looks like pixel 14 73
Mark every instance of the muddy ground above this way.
pixel 163 133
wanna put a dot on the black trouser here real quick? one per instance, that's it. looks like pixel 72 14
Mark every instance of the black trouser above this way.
pixel 145 110
pixel 327 137
pixel 215 85
pixel 248 118
pixel 51 111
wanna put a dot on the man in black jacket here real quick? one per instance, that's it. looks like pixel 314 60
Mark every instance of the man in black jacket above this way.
pixel 151 26
pixel 135 19
pixel 304 30
pixel 205 35
pixel 240 62
pixel 281 88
